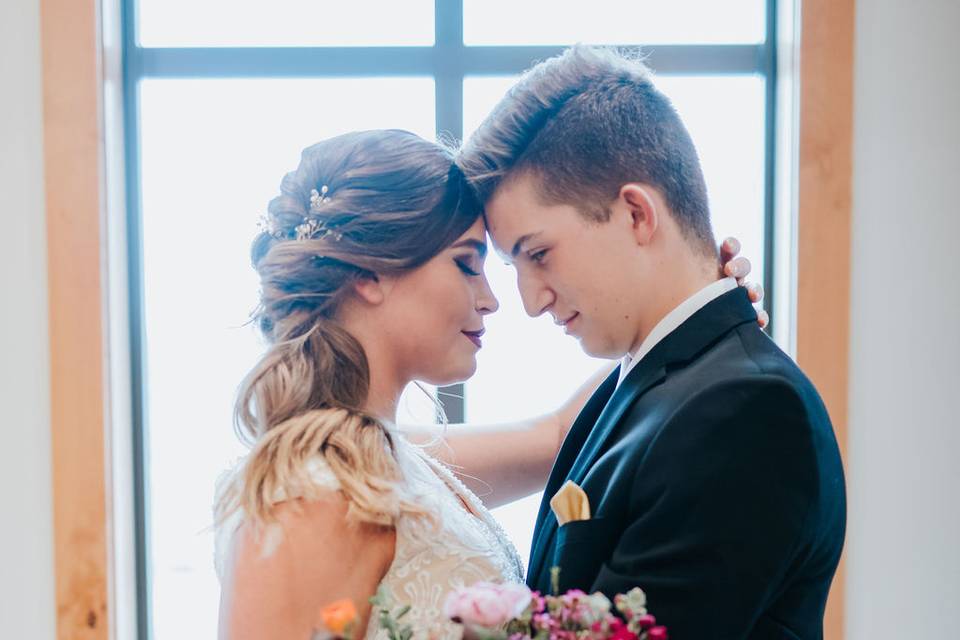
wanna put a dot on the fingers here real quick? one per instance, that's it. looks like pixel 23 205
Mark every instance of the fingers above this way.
pixel 763 318
pixel 729 249
pixel 737 268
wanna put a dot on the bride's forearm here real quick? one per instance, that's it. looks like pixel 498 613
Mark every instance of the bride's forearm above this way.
pixel 504 462
pixel 499 462
pixel 570 409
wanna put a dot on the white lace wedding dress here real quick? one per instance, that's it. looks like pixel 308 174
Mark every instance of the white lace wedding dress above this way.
pixel 428 563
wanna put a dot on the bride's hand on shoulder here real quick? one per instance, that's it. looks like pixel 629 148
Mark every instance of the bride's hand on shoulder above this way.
pixel 737 266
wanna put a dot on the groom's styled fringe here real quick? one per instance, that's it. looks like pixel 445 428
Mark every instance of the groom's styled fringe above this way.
pixel 583 124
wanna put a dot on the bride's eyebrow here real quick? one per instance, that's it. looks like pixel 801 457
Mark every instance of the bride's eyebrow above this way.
pixel 473 243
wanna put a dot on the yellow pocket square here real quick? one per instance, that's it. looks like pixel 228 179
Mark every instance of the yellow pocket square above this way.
pixel 570 503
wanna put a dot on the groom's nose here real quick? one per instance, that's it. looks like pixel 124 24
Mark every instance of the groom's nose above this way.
pixel 537 297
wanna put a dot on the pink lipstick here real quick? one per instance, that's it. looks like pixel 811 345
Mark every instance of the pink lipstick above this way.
pixel 474 337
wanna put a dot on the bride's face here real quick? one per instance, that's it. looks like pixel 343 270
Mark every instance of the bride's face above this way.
pixel 434 314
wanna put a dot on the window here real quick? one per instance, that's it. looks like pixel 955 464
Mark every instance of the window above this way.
pixel 221 97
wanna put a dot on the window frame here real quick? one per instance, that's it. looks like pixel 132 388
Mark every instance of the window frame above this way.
pixel 448 61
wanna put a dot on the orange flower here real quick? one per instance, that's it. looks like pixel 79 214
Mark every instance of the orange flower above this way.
pixel 339 616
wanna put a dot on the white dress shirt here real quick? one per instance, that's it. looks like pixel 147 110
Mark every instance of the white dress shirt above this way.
pixel 680 314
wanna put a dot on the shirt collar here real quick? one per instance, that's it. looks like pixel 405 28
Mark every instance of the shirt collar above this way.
pixel 680 314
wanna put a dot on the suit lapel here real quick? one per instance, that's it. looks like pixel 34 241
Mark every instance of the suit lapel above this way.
pixel 580 431
pixel 571 447
pixel 683 345
pixel 634 385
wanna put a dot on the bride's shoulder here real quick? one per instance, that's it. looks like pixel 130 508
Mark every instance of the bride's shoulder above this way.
pixel 230 519
pixel 316 470
pixel 311 549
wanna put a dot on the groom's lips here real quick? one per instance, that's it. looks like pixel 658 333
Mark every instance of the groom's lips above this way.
pixel 474 337
pixel 566 324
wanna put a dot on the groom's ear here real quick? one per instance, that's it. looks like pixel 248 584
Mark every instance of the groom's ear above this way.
pixel 641 203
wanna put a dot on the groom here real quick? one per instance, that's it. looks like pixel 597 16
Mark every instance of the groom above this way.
pixel 706 464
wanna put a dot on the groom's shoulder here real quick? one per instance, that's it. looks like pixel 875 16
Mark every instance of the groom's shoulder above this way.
pixel 742 399
pixel 750 354
pixel 775 367
pixel 746 371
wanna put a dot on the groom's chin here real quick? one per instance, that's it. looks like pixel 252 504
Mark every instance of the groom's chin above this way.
pixel 599 349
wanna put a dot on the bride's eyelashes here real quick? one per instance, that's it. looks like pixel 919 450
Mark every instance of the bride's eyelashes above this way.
pixel 465 268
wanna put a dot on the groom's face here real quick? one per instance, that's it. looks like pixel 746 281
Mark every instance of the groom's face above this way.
pixel 568 266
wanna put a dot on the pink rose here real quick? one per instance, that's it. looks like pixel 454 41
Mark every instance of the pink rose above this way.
pixel 487 605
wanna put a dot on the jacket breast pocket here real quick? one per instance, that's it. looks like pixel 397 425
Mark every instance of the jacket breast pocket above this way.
pixel 581 548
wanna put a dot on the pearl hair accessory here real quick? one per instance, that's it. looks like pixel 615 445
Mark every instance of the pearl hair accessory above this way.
pixel 312 228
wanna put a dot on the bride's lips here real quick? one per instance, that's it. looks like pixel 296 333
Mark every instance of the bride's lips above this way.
pixel 474 337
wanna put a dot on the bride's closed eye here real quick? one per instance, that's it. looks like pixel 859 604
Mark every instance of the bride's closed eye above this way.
pixel 463 265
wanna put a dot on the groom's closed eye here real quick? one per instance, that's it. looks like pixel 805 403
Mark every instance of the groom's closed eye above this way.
pixel 521 243
pixel 538 256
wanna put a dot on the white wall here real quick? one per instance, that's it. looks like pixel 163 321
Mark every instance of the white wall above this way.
pixel 26 529
pixel 904 474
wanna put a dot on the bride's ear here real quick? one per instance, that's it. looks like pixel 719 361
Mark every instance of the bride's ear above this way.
pixel 371 288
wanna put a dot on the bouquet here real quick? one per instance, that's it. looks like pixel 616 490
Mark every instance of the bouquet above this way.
pixel 489 611
pixel 513 612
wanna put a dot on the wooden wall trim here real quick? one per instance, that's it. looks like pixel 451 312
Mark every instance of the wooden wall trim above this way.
pixel 824 209
pixel 73 167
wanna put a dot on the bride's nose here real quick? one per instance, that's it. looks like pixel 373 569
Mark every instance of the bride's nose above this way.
pixel 486 301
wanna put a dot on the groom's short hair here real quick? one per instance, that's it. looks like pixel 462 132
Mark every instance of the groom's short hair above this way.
pixel 583 124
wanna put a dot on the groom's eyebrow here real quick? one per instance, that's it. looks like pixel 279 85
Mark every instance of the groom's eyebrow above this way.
pixel 518 245
pixel 473 243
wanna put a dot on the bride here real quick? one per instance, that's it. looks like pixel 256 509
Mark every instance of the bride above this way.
pixel 371 271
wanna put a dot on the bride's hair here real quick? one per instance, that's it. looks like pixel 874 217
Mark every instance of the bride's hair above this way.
pixel 382 202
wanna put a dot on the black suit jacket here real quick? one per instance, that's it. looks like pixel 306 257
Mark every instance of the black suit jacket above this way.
pixel 715 484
